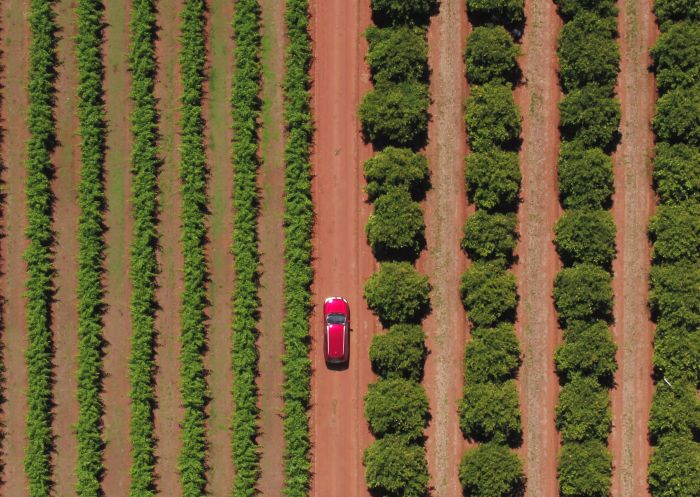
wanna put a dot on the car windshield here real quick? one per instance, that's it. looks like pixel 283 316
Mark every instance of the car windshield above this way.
pixel 335 319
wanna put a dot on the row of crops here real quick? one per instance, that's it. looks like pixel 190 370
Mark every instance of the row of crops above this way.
pixel 489 412
pixel 674 470
pixel 585 241
pixel 394 117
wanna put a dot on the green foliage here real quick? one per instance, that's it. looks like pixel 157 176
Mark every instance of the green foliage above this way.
pixel 674 296
pixel 298 273
pixel 399 353
pixel 585 177
pixel 583 412
pixel 396 406
pixel 490 236
pixel 396 167
pixel 192 464
pixel 677 57
pixel 246 114
pixel 674 411
pixel 491 470
pixel 91 199
pixel 676 10
pixel 396 229
pixel 675 231
pixel 489 294
pixel 584 470
pixel 397 54
pixel 588 52
pixel 395 114
pixel 491 56
pixel 674 470
pixel 397 293
pixel 588 350
pixel 590 117
pixel 491 412
pixel 493 179
pixel 493 355
pixel 510 12
pixel 492 118
pixel 570 9
pixel 397 468
pixel 677 353
pixel 584 293
pixel 677 173
pixel 39 255
pixel 677 117
pixel 586 236
pixel 403 11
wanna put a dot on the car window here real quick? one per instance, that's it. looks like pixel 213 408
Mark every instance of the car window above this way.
pixel 336 319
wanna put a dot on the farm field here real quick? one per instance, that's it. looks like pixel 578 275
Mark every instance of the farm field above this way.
pixel 506 193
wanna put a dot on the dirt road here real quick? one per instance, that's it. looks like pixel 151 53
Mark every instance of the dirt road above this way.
pixel 445 211
pixel 633 203
pixel 537 260
pixel 343 260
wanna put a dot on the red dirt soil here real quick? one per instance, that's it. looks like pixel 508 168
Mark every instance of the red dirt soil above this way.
pixel 217 113
pixel 271 235
pixel 117 330
pixel 445 212
pixel 343 260
pixel 633 204
pixel 66 159
pixel 537 259
pixel 14 46
pixel 169 412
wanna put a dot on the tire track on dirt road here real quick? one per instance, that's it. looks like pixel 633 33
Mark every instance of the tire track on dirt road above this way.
pixel 633 203
pixel 538 262
pixel 14 31
pixel 342 259
pixel 445 213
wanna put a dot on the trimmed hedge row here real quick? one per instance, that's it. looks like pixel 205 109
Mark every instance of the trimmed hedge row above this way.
pixel 674 422
pixel 298 273
pixel 394 117
pixel 589 60
pixel 91 229
pixel 144 265
pixel 193 175
pixel 39 254
pixel 489 412
pixel 246 112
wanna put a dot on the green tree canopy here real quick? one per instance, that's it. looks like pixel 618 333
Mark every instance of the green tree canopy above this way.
pixel 403 11
pixel 396 468
pixel 590 116
pixel 397 293
pixel 588 350
pixel 570 9
pixel 509 12
pixel 585 177
pixel 493 119
pixel 676 10
pixel 396 406
pixel 677 117
pixel 586 235
pixel 397 54
pixel 674 296
pixel 491 470
pixel 493 355
pixel 491 412
pixel 677 353
pixel 674 411
pixel 490 236
pixel 584 293
pixel 583 412
pixel 677 173
pixel 489 294
pixel 396 229
pixel 396 167
pixel 493 178
pixel 491 56
pixel 584 469
pixel 674 470
pixel 676 233
pixel 677 56
pixel 399 353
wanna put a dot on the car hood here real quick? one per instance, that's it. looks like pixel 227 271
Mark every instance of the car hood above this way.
pixel 336 340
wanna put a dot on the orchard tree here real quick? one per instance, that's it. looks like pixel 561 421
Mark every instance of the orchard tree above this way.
pixel 493 355
pixel 677 117
pixel 396 167
pixel 668 11
pixel 493 119
pixel 399 353
pixel 491 56
pixel 674 470
pixel 585 177
pixel 590 116
pixel 491 412
pixel 677 56
pixel 674 411
pixel 493 179
pixel 677 173
pixel 677 353
pixel 509 12
pixel 585 235
pixel 584 293
pixel 397 293
pixel 491 470
pixel 396 406
pixel 490 236
pixel 587 350
pixel 403 11
pixel 583 412
pixel 395 467
pixel 584 469
pixel 674 296
pixel 396 229
pixel 397 54
pixel 569 9
pixel 489 294
pixel 675 231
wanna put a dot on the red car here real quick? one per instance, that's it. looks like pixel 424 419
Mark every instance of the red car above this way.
pixel 336 337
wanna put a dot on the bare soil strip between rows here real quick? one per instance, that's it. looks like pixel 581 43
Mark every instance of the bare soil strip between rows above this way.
pixel 14 47
pixel 217 113
pixel 445 213
pixel 271 236
pixel 633 204
pixel 118 219
pixel 537 259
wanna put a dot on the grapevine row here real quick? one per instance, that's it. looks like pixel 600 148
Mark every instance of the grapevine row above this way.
pixel 39 254
pixel 674 469
pixel 144 267
pixel 246 112
pixel 298 273
pixel 490 410
pixel 193 175
pixel 585 241
pixel 394 116
pixel 91 229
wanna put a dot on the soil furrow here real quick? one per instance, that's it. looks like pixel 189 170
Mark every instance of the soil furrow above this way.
pixel 633 203
pixel 218 361
pixel 342 259
pixel 14 31
pixel 537 259
pixel 445 212
pixel 169 412
pixel 118 219
pixel 271 235
pixel 66 159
